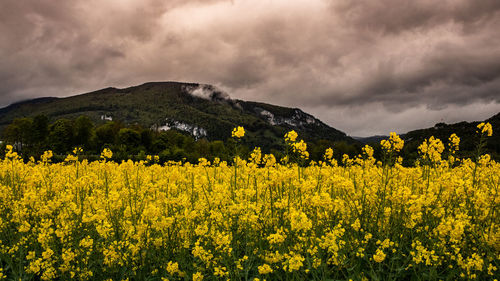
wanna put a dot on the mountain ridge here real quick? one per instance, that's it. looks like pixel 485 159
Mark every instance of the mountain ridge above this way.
pixel 466 131
pixel 199 109
pixel 205 111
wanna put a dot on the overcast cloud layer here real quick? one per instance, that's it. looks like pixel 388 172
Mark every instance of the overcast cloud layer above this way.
pixel 364 67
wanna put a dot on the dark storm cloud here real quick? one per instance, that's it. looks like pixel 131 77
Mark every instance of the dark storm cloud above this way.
pixel 333 58
pixel 52 47
pixel 395 16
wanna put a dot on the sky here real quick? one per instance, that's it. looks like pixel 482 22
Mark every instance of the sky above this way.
pixel 363 67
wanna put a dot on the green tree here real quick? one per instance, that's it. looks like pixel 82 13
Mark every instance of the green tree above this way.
pixel 40 134
pixel 19 133
pixel 129 137
pixel 147 138
pixel 83 131
pixel 61 137
pixel 106 134
pixel 40 129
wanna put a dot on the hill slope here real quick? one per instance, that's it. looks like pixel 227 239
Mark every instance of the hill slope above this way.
pixel 465 130
pixel 201 110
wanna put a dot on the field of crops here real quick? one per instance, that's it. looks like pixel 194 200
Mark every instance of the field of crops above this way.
pixel 253 219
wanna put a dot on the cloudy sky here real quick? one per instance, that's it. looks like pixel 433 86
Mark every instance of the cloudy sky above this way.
pixel 364 67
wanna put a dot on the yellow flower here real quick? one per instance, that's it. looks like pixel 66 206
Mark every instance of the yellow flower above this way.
pixel 484 159
pixel 269 160
pixel 294 263
pixel 454 142
pixel 300 148
pixel 485 129
pixel 220 271
pixel 368 151
pixel 277 238
pixel 47 155
pixel 291 136
pixel 299 221
pixel 62 220
pixel 24 227
pixel 356 225
pixel 106 153
pixel 238 132
pixel 71 158
pixel 431 149
pixel 172 267
pixel 328 154
pixel 256 156
pixel 197 276
pixel 379 256
pixel 265 269
pixel 393 144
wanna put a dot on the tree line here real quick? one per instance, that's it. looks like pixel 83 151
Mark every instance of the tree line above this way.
pixel 32 136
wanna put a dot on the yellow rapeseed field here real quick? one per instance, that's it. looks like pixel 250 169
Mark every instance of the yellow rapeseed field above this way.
pixel 254 219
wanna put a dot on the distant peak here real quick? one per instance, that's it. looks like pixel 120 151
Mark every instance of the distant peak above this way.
pixel 32 101
pixel 166 83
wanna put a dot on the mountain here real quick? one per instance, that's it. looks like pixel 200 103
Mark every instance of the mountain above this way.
pixel 467 131
pixel 371 139
pixel 198 109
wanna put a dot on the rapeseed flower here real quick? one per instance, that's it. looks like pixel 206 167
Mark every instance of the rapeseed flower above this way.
pixel 238 132
pixel 379 256
pixel 106 154
pixel 393 144
pixel 486 129
pixel 99 220
pixel 291 136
